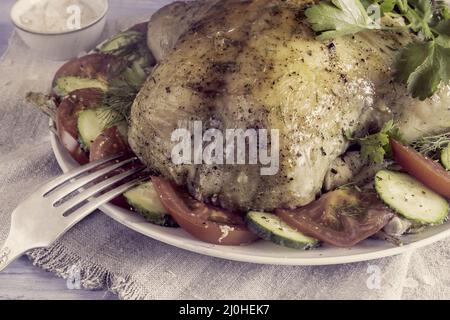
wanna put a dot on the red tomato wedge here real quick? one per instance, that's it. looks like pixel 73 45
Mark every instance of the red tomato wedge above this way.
pixel 108 143
pixel 430 173
pixel 207 223
pixel 341 218
pixel 93 66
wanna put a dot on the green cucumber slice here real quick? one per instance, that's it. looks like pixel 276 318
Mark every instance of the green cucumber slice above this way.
pixel 445 157
pixel 92 122
pixel 65 85
pixel 270 227
pixel 410 198
pixel 145 200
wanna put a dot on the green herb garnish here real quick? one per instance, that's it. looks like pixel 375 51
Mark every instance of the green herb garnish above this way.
pixel 431 146
pixel 339 18
pixel 376 146
pixel 117 104
pixel 130 46
pixel 423 64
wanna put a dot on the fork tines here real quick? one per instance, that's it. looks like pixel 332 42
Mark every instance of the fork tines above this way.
pixel 94 184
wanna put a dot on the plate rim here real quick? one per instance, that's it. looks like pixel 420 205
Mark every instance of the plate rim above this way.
pixel 199 247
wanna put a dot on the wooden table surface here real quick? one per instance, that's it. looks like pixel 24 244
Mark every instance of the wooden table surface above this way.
pixel 22 280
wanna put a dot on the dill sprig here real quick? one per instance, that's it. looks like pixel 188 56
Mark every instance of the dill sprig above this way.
pixel 131 47
pixel 120 99
pixel 430 146
pixel 117 104
pixel 350 209
pixel 108 117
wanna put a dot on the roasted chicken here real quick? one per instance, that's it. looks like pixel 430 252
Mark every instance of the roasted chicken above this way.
pixel 257 64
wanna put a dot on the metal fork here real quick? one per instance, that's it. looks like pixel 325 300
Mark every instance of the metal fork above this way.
pixel 60 203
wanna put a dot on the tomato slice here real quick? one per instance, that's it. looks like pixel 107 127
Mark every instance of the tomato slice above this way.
pixel 108 143
pixel 93 66
pixel 67 118
pixel 427 171
pixel 207 223
pixel 341 218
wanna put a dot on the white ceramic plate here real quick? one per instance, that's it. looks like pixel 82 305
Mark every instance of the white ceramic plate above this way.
pixel 261 251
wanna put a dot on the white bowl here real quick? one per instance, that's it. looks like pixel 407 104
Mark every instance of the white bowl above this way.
pixel 62 45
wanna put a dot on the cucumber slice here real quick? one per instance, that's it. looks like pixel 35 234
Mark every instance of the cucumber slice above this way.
pixel 145 200
pixel 122 41
pixel 65 85
pixel 135 75
pixel 410 198
pixel 92 122
pixel 445 157
pixel 270 227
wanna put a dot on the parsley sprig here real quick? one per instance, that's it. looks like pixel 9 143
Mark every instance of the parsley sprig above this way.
pixel 339 18
pixel 423 65
pixel 375 147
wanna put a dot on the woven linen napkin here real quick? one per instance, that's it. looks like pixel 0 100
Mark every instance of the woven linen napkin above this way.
pixel 108 255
